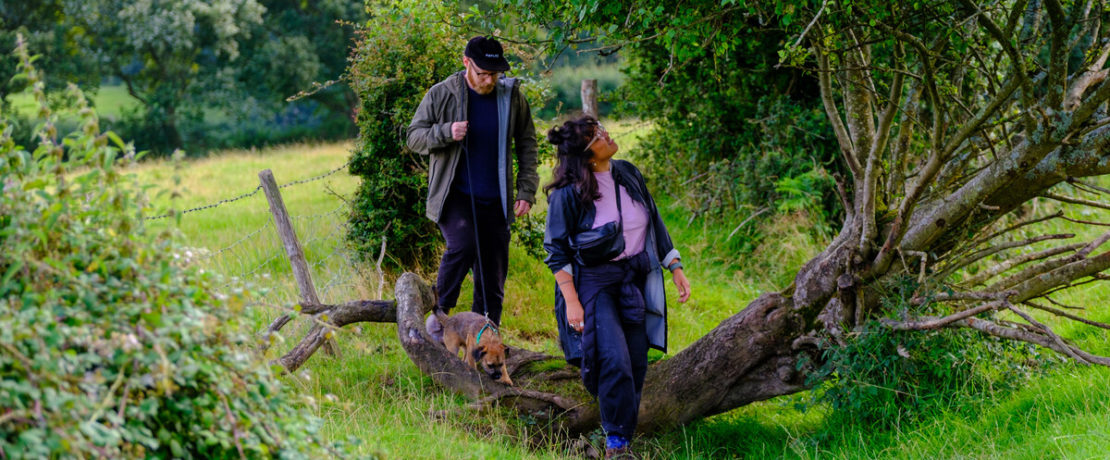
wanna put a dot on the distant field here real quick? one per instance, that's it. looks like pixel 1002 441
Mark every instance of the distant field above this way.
pixel 110 102
pixel 375 395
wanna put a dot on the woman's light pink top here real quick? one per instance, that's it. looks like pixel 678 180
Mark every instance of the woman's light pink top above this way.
pixel 635 216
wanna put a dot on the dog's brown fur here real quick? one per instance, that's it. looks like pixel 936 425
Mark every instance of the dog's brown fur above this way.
pixel 461 330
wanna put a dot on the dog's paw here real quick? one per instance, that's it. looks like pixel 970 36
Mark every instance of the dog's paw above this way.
pixel 434 328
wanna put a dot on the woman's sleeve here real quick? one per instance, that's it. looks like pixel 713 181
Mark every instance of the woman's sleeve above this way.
pixel 556 238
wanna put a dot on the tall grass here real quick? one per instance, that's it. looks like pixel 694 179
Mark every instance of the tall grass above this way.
pixel 373 394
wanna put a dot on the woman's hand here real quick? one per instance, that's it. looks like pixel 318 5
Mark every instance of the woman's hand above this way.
pixel 682 284
pixel 575 315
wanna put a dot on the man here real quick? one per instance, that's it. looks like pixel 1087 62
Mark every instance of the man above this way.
pixel 468 124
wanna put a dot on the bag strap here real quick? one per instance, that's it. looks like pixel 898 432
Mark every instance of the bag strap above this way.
pixel 620 214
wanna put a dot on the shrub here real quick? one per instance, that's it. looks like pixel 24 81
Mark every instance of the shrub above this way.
pixel 882 376
pixel 400 53
pixel 111 345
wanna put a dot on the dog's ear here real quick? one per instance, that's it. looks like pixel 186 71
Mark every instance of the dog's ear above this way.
pixel 479 353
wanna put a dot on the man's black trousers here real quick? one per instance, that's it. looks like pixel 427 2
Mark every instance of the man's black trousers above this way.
pixel 457 224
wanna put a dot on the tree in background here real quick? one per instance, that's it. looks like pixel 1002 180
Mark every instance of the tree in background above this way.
pixel 47 35
pixel 964 129
pixel 401 52
pixel 193 65
pixel 165 52
pixel 300 51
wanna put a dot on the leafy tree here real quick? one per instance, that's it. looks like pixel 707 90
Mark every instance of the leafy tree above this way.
pixel 47 34
pixel 111 344
pixel 165 51
pixel 297 46
pixel 952 118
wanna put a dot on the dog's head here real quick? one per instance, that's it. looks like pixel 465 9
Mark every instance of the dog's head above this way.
pixel 491 356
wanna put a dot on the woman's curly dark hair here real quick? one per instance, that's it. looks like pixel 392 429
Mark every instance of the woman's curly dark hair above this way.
pixel 573 166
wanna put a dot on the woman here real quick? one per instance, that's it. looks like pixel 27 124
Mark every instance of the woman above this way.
pixel 606 244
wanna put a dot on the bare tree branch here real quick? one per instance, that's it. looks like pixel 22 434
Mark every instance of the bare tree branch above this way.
pixel 1063 275
pixel 1006 265
pixel 1008 245
pixel 1030 337
pixel 871 175
pixel 847 149
pixel 1091 187
pixel 1057 55
pixel 1066 199
pixel 1067 315
pixel 929 323
pixel 991 236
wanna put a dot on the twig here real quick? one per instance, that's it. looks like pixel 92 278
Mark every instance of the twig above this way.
pixel 960 296
pixel 928 323
pixel 1055 338
pixel 1067 199
pixel 235 434
pixel 1083 253
pixel 1067 315
pixel 808 26
pixel 1081 184
pixel 1086 222
pixel 975 257
pixel 1058 304
pixel 1011 263
pixel 753 216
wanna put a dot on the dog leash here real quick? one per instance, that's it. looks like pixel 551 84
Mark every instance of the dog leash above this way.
pixel 489 325
pixel 477 239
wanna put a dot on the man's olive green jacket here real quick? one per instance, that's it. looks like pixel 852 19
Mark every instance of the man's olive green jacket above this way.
pixel 430 134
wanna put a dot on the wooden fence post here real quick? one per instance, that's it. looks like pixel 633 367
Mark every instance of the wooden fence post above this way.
pixel 589 97
pixel 292 248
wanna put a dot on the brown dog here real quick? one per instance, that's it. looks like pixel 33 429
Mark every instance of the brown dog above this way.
pixel 481 339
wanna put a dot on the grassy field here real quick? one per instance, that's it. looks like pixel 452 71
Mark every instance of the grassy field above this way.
pixel 110 101
pixel 374 396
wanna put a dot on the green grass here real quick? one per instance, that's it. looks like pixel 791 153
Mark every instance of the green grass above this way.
pixel 373 393
pixel 110 101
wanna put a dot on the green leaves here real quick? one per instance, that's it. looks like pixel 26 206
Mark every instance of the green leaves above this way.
pixel 105 338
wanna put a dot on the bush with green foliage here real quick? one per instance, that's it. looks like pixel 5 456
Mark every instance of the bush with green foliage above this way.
pixel 887 377
pixel 401 52
pixel 111 344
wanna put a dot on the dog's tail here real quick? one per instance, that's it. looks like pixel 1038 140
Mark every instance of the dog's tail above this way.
pixel 435 324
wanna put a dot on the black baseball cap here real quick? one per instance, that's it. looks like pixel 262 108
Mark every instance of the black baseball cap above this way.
pixel 487 53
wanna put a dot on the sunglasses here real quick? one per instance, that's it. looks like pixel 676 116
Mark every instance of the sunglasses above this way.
pixel 597 135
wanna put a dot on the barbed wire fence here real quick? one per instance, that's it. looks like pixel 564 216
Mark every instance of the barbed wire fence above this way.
pixel 257 255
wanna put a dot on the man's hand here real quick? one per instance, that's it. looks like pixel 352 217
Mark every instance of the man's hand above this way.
pixel 522 207
pixel 458 130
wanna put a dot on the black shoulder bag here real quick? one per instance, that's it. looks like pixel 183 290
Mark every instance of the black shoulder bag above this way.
pixel 602 244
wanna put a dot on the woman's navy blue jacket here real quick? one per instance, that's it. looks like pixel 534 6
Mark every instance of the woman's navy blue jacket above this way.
pixel 567 216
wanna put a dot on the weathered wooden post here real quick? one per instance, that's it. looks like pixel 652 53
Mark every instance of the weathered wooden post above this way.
pixel 292 249
pixel 589 97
